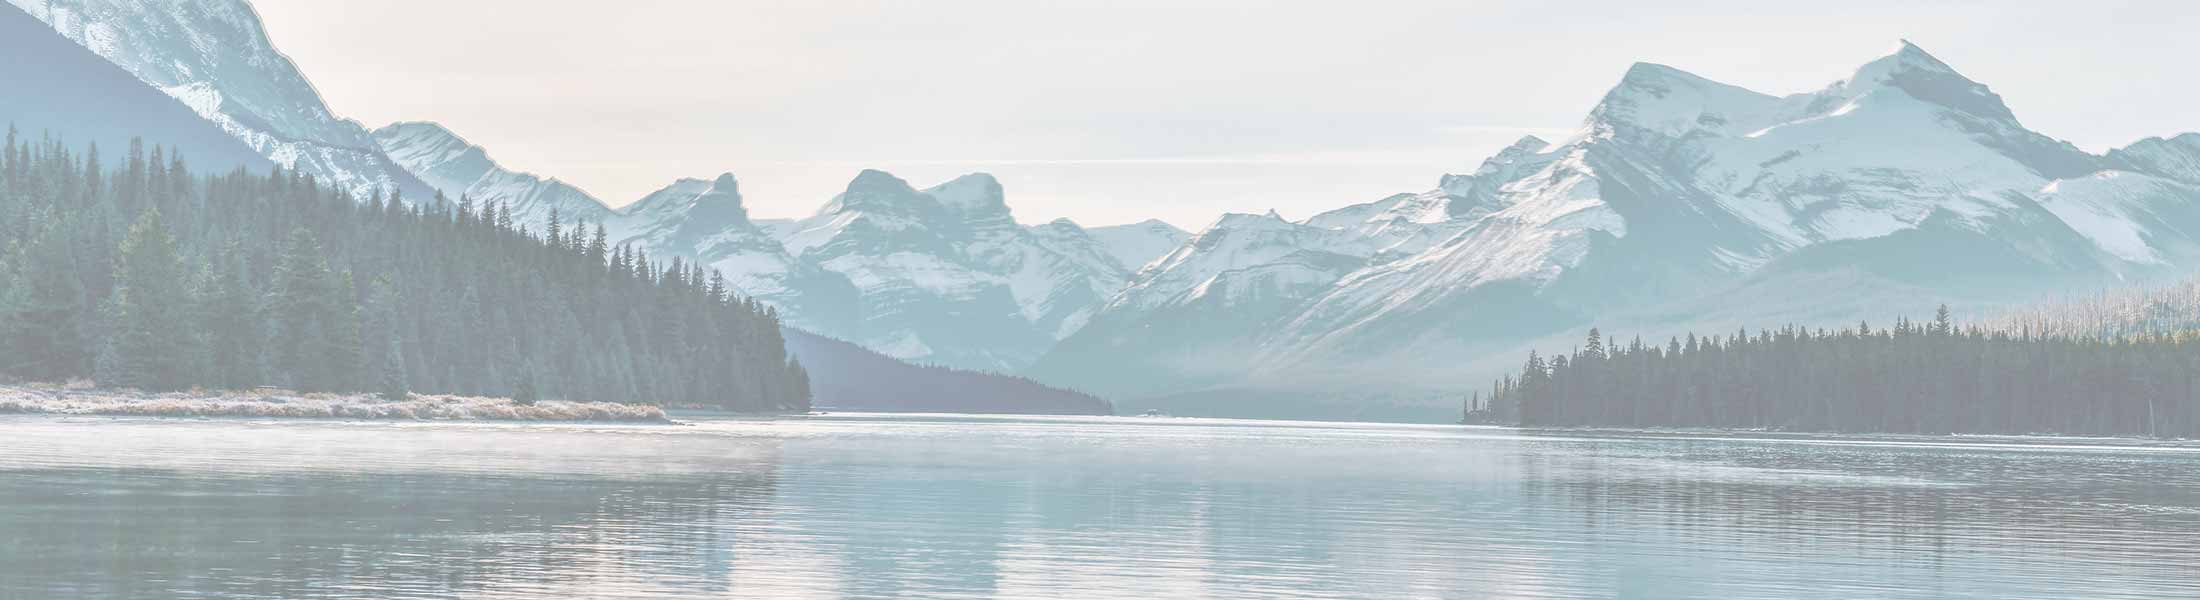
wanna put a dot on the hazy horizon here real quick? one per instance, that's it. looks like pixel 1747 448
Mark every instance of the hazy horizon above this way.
pixel 1121 113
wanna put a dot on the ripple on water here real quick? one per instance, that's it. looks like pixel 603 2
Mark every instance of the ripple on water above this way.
pixel 867 506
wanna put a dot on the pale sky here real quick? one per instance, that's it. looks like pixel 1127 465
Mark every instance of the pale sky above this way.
pixel 1112 112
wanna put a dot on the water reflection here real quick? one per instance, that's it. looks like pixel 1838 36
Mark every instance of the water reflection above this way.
pixel 922 507
pixel 138 533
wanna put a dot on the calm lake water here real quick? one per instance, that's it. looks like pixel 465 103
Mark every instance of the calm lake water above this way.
pixel 941 507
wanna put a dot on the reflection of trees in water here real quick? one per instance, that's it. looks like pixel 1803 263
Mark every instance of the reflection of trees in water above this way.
pixel 139 533
pixel 1994 522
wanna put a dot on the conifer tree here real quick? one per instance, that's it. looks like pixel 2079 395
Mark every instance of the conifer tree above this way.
pixel 262 284
pixel 229 311
pixel 150 344
pixel 308 314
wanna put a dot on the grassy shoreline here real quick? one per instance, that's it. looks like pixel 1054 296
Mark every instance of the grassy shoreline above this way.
pixel 282 404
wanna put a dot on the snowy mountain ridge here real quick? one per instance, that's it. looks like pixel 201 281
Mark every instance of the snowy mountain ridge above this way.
pixel 1679 199
pixel 946 275
pixel 214 56
pixel 456 167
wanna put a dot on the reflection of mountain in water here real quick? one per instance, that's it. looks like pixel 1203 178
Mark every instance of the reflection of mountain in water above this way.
pixel 375 535
pixel 1065 507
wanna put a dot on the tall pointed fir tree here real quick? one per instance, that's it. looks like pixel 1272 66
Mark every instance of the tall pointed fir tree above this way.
pixel 150 342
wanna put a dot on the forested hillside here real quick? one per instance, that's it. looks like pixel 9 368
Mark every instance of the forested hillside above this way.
pixel 1932 378
pixel 127 269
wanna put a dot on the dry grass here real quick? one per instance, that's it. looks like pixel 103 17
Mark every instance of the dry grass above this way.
pixel 72 399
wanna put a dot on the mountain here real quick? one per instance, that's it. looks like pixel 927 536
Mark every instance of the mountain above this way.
pixel 456 167
pixel 946 276
pixel 846 376
pixel 79 94
pixel 215 57
pixel 1680 201
pixel 1135 244
pixel 705 221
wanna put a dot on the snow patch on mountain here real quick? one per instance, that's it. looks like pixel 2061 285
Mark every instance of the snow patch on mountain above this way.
pixel 946 275
pixel 459 168
pixel 215 57
pixel 1136 244
pixel 1674 188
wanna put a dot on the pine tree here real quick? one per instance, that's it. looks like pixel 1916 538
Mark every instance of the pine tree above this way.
pixel 44 322
pixel 150 343
pixel 309 314
pixel 261 288
pixel 385 344
pixel 229 312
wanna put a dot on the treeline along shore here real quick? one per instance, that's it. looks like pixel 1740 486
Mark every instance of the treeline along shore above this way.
pixel 1922 378
pixel 131 271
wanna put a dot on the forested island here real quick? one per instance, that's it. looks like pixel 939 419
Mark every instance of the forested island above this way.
pixel 1918 378
pixel 139 274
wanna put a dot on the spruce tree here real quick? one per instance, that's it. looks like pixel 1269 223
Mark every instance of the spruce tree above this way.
pixel 386 346
pixel 150 341
pixel 230 313
pixel 308 316
pixel 43 328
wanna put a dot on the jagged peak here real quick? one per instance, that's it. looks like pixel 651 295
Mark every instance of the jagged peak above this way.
pixel 684 193
pixel 1511 154
pixel 873 189
pixel 874 181
pixel 1063 226
pixel 1924 77
pixel 1243 220
pixel 979 178
pixel 1668 101
pixel 1906 58
pixel 422 137
pixel 1909 55
pixel 1658 79
pixel 721 203
pixel 2182 139
pixel 726 183
pixel 974 194
pixel 1528 143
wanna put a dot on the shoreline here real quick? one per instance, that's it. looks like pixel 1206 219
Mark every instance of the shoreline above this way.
pixel 1769 434
pixel 280 404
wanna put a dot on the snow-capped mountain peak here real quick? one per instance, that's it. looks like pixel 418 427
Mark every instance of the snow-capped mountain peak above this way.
pixel 1926 78
pixel 946 275
pixel 1672 103
pixel 2175 158
pixel 1680 196
pixel 688 211
pixel 215 57
pixel 977 197
pixel 1136 244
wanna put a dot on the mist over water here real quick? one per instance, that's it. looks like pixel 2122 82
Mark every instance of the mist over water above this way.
pixel 944 507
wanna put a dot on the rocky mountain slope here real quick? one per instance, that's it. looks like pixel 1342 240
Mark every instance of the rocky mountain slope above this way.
pixel 1133 245
pixel 459 168
pixel 1679 203
pixel 85 100
pixel 1680 200
pixel 942 276
pixel 945 275
pixel 214 56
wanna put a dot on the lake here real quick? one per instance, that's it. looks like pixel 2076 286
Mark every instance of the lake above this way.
pixel 916 506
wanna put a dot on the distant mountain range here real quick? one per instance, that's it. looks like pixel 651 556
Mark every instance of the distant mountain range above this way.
pixel 1679 203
